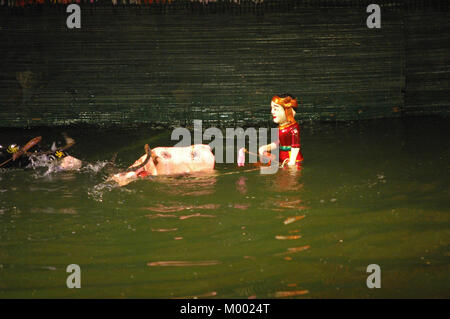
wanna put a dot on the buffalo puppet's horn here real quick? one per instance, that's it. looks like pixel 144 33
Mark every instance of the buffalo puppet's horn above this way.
pixel 150 155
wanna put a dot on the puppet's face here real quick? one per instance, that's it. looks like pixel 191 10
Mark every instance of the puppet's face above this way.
pixel 279 116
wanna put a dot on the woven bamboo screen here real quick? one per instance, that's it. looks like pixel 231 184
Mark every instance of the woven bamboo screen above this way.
pixel 168 62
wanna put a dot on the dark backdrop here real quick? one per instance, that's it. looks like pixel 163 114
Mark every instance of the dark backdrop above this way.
pixel 168 65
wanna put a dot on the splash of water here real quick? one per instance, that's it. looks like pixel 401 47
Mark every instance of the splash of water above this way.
pixel 52 165
pixel 93 168
pixel 97 191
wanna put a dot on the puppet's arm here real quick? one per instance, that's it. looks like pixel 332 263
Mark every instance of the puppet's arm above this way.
pixel 267 148
pixel 293 156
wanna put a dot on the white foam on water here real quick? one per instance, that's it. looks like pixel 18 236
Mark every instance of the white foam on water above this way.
pixel 95 167
pixel 97 191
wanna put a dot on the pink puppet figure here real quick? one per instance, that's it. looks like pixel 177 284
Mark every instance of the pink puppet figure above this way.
pixel 241 157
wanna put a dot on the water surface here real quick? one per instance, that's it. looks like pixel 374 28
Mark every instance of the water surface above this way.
pixel 371 192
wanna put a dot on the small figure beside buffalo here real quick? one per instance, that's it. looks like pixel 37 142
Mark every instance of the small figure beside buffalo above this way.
pixel 15 156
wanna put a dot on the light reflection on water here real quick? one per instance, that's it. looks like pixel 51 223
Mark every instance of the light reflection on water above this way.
pixel 236 233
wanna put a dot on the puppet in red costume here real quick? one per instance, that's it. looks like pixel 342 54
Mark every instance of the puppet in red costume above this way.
pixel 289 131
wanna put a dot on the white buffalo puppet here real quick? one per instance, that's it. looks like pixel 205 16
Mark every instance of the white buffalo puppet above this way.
pixel 169 161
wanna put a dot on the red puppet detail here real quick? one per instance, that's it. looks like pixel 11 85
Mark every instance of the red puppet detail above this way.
pixel 289 137
pixel 288 132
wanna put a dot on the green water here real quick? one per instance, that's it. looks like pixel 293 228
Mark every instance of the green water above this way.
pixel 374 192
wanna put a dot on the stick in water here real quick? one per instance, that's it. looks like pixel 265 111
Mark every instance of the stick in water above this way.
pixel 69 143
pixel 23 150
pixel 27 146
